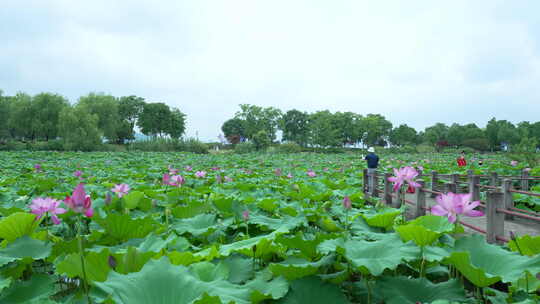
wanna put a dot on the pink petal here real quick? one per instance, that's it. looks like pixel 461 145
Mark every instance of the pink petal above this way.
pixel 55 219
pixel 89 212
pixel 474 213
pixel 59 211
pixel 452 218
pixel 438 210
pixel 414 184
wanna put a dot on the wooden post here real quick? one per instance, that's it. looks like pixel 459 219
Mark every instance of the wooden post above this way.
pixel 525 181
pixel 470 174
pixel 495 220
pixel 494 180
pixel 375 184
pixel 420 199
pixel 455 181
pixel 434 181
pixel 397 203
pixel 366 184
pixel 507 197
pixel 387 189
pixel 474 190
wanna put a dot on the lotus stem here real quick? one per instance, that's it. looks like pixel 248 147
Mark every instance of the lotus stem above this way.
pixel 368 290
pixel 83 268
pixel 422 264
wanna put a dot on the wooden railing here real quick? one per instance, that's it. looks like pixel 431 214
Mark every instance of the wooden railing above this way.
pixel 499 204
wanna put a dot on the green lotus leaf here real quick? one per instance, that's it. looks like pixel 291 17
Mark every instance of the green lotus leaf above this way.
pixel 383 218
pixel 161 282
pixel 307 247
pixel 192 209
pixel 132 199
pixel 484 264
pixel 198 225
pixel 183 258
pixel 96 265
pixel 4 283
pixel 398 290
pixel 121 227
pixel 375 257
pixel 333 245
pixel 36 290
pixel 268 204
pixel 294 268
pixel 286 222
pixel 208 272
pixel 314 291
pixel 328 224
pixel 246 246
pixel 17 225
pixel 25 247
pixel 240 268
pixel 264 287
pixel 131 261
pixel 425 229
pixel 526 245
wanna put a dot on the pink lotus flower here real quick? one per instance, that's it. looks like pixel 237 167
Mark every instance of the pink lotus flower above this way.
pixel 108 198
pixel 451 205
pixel 200 174
pixel 175 180
pixel 228 179
pixel 41 206
pixel 289 175
pixel 77 173
pixel 310 173
pixel 219 180
pixel 420 168
pixel 121 189
pixel 188 168
pixel 277 172
pixel 37 167
pixel 513 163
pixel 405 174
pixel 79 201
pixel 245 215
pixel 214 168
pixel 172 171
pixel 166 179
pixel 325 169
pixel 347 203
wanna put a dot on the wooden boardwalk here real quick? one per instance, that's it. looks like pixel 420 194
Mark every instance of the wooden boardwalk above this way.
pixel 518 225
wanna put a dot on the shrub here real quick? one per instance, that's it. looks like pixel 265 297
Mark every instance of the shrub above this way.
pixel 480 144
pixel 290 147
pixel 169 145
pixel 424 148
pixel 244 147
pixel 192 145
pixel 261 140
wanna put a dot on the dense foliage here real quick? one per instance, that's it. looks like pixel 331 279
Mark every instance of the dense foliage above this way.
pixel 251 228
pixel 327 129
pixel 83 126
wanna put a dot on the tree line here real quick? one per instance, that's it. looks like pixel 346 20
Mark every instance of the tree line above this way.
pixel 327 129
pixel 93 119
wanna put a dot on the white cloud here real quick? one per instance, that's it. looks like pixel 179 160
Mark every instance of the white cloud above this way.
pixel 416 62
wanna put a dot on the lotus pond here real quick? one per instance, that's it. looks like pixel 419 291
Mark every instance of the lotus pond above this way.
pixel 184 228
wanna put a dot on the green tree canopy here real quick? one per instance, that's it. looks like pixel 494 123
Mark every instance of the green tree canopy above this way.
pixel 79 128
pixel 403 135
pixel 294 125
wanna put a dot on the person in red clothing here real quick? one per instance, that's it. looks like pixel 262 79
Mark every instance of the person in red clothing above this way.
pixel 461 162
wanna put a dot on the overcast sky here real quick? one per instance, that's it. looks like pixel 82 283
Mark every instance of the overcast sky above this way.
pixel 415 62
